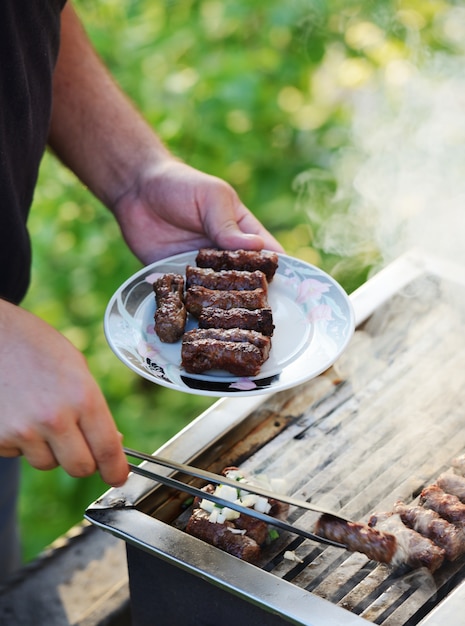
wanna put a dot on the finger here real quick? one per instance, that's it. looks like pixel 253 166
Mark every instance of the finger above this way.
pixel 90 445
pixel 39 455
pixel 71 449
pixel 104 442
pixel 9 451
pixel 36 451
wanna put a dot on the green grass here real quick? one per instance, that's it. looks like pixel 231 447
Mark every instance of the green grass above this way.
pixel 261 94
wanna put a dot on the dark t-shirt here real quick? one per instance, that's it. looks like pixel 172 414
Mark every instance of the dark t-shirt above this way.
pixel 29 40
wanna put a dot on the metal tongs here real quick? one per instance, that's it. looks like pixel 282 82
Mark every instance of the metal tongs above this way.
pixel 224 480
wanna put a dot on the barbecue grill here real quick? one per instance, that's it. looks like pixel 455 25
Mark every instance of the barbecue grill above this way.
pixel 378 426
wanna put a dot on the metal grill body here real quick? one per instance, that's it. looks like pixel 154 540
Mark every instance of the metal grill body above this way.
pixel 384 422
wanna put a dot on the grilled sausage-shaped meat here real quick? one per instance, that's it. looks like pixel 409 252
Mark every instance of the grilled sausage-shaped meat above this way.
pixel 254 528
pixel 241 536
pixel 239 335
pixel 431 525
pixel 260 320
pixel 225 279
pixel 446 505
pixel 248 260
pixel 171 314
pixel 453 484
pixel 412 548
pixel 238 358
pixel 222 536
pixel 198 298
pixel 357 537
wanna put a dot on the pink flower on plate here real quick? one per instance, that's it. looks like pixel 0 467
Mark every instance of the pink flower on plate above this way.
pixel 311 289
pixel 320 312
pixel 243 384
pixel 147 351
pixel 151 278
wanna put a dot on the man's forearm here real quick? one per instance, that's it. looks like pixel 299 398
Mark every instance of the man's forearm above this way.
pixel 95 130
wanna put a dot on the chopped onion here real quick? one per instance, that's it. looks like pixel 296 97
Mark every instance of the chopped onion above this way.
pixel 248 500
pixel 226 492
pixel 220 516
pixel 230 513
pixel 262 505
pixel 290 555
pixel 243 493
pixel 207 505
pixel 236 531
pixel 234 475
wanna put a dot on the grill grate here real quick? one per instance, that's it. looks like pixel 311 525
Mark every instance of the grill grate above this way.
pixel 389 428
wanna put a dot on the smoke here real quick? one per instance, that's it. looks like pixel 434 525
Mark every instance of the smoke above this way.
pixel 400 180
pixel 411 145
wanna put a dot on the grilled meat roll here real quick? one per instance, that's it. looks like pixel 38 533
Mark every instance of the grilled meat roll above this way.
pixel 222 536
pixel 239 534
pixel 254 528
pixel 198 298
pixel 225 279
pixel 357 537
pixel 413 549
pixel 168 284
pixel 238 358
pixel 170 315
pixel 260 320
pixel 239 335
pixel 248 260
pixel 445 504
pixel 431 525
pixel 453 484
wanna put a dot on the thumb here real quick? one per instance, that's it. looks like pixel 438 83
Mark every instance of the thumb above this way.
pixel 231 237
pixel 235 228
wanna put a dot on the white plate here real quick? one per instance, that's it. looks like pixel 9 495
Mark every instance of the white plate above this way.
pixel 313 320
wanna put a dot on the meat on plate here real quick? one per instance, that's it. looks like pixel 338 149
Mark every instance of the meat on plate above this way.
pixel 227 294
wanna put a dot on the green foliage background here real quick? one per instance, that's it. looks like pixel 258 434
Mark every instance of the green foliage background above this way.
pixel 259 93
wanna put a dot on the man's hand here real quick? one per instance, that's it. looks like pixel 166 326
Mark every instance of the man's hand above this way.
pixel 175 208
pixel 52 410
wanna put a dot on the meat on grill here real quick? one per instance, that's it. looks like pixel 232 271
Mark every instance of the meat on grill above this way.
pixel 225 279
pixel 453 484
pixel 198 298
pixel 248 260
pixel 260 320
pixel 222 536
pixel 255 529
pixel 239 335
pixel 242 537
pixel 446 505
pixel 238 358
pixel 170 315
pixel 430 524
pixel 413 549
pixel 357 537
